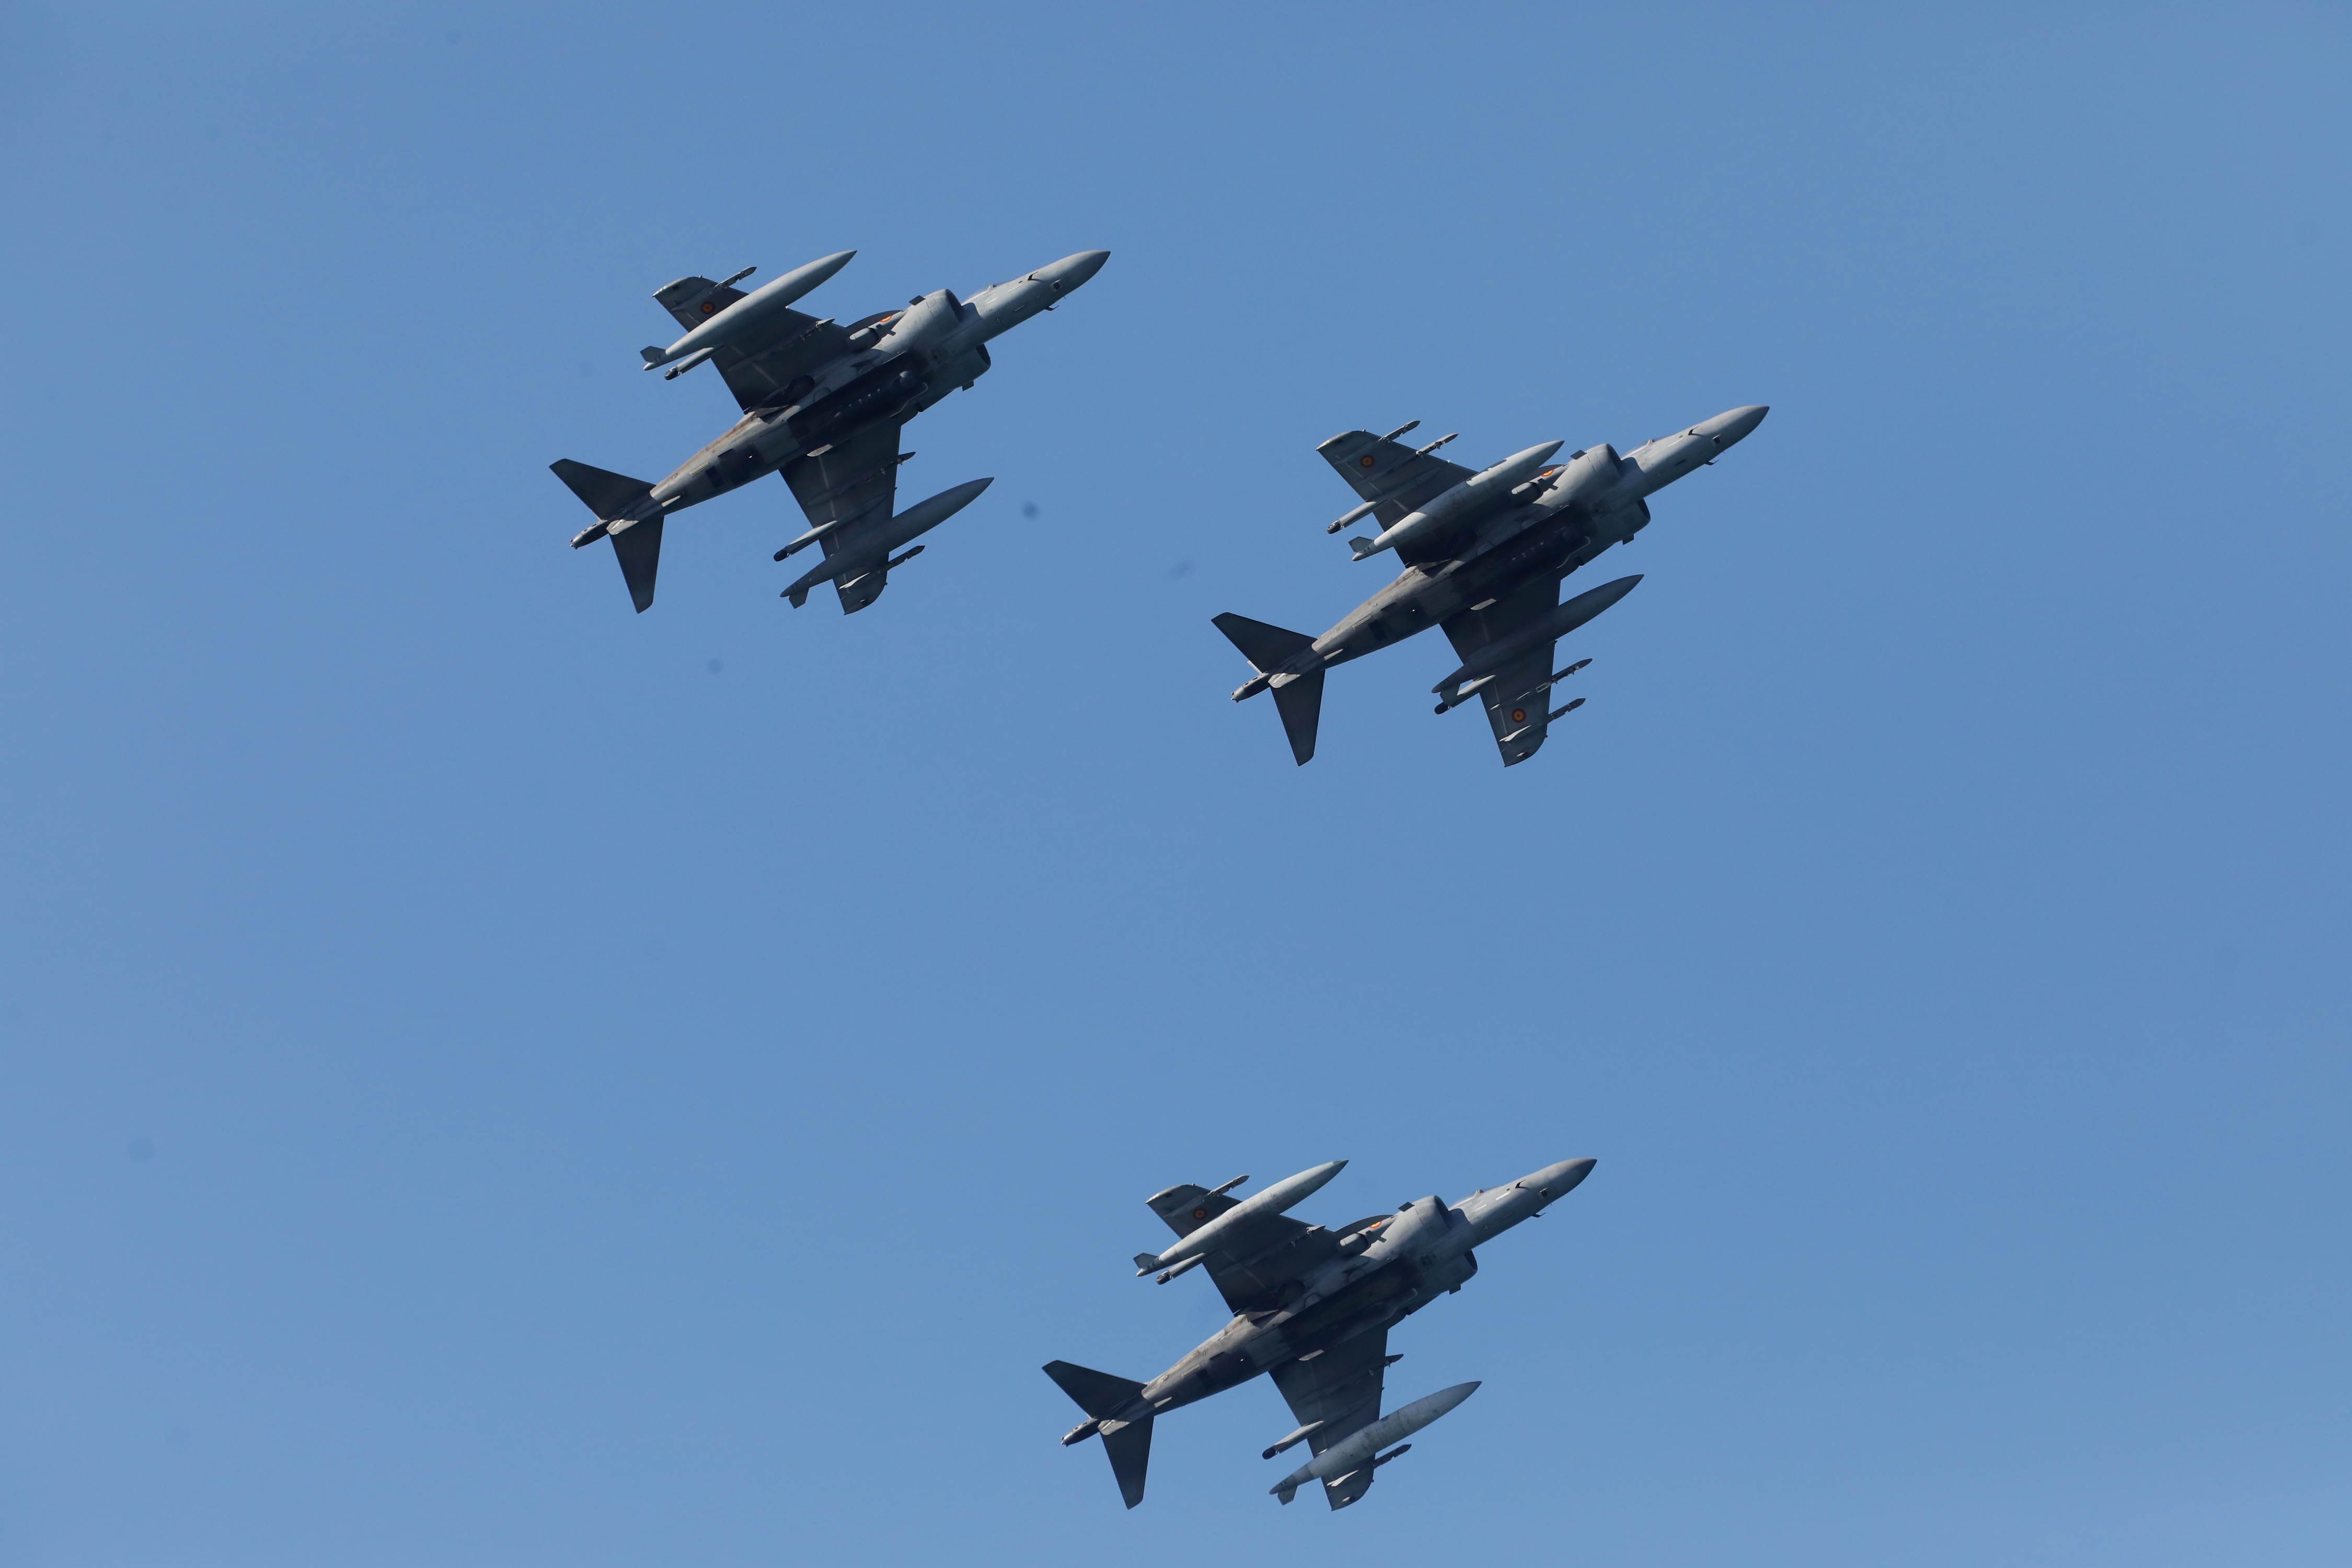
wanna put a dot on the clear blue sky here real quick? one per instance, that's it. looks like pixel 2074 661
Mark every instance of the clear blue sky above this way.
pixel 493 1080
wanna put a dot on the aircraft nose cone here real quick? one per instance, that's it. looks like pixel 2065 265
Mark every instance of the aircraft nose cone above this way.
pixel 1562 1178
pixel 1737 425
pixel 1073 270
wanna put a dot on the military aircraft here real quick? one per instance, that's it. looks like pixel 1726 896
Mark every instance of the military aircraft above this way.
pixel 1484 555
pixel 1313 1308
pixel 823 405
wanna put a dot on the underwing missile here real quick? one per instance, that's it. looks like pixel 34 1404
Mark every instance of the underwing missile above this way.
pixel 1362 1447
pixel 746 314
pixel 1192 1262
pixel 811 537
pixel 1549 681
pixel 1472 495
pixel 1234 1221
pixel 1456 699
pixel 1555 714
pixel 1560 712
pixel 1560 621
pixel 1292 1441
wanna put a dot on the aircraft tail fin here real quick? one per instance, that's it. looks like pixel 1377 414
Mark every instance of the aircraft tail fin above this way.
pixel 1103 1396
pixel 1300 703
pixel 1130 1448
pixel 639 549
pixel 613 497
pixel 1299 699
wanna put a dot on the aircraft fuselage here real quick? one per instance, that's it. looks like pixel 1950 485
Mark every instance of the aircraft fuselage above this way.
pixel 1594 499
pixel 1407 1260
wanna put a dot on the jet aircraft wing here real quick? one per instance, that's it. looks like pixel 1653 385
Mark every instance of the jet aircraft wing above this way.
pixel 855 485
pixel 1259 1271
pixel 1517 719
pixel 1395 477
pixel 1341 1388
pixel 792 345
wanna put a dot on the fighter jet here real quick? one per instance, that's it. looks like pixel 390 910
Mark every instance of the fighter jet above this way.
pixel 1484 555
pixel 823 405
pixel 1312 1307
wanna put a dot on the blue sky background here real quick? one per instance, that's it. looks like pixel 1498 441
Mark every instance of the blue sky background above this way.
pixel 491 1079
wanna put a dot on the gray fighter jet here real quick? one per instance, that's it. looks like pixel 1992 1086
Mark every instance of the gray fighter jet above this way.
pixel 822 404
pixel 1312 1307
pixel 1484 555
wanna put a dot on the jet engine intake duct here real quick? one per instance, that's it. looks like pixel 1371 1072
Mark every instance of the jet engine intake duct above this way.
pixel 927 322
pixel 1585 477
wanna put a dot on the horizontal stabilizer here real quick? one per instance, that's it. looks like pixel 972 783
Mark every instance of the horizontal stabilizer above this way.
pixel 1103 1396
pixel 607 494
pixel 614 498
pixel 1099 1394
pixel 1263 645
